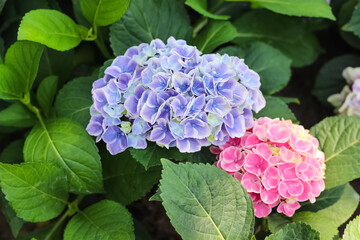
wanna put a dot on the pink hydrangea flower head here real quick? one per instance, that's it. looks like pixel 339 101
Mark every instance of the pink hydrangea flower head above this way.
pixel 277 162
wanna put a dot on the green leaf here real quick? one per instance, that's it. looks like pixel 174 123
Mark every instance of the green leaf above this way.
pixel 202 156
pixel 46 92
pixel 79 16
pixel 287 34
pixel 17 115
pixel 151 155
pixel 2 3
pixel 352 230
pixel 74 100
pixel 339 139
pixel 201 7
pixel 215 34
pixel 343 18
pixel 103 12
pixel 276 108
pixel 12 153
pixel 14 222
pixel 20 69
pixel 277 221
pixel 330 80
pixel 298 231
pixel 272 66
pixel 44 233
pixel 319 8
pixel 204 202
pixel 327 220
pixel 36 191
pixel 66 144
pixel 354 24
pixel 288 100
pixel 102 220
pixel 126 180
pixel 55 63
pixel 146 20
pixel 156 196
pixel 326 199
pixel 60 32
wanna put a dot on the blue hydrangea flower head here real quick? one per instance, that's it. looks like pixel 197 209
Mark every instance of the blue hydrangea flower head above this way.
pixel 173 95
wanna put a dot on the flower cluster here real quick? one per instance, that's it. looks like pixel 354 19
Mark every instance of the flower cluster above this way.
pixel 172 95
pixel 277 162
pixel 348 101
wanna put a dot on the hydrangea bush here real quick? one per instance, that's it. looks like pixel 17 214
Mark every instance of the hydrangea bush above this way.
pixel 277 162
pixel 179 119
pixel 172 95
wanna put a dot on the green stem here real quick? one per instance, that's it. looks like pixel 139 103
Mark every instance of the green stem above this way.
pixel 32 108
pixel 199 25
pixel 101 45
pixel 57 225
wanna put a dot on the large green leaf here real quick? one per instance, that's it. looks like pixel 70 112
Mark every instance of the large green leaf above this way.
pixel 354 24
pixel 74 100
pixel 146 20
pixel 339 139
pixel 276 108
pixel 66 144
pixel 215 34
pixel 298 231
pixel 204 202
pixel 319 8
pixel 272 65
pixel 103 12
pixel 126 180
pixel 352 230
pixel 36 191
pixel 287 34
pixel 19 71
pixel 46 92
pixel 51 28
pixel 201 7
pixel 327 220
pixel 17 115
pixel 15 223
pixel 105 220
pixel 330 80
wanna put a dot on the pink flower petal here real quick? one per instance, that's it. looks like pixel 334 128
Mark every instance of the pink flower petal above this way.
pixel 263 150
pixel 251 182
pixel 290 188
pixel 306 193
pixel 231 159
pixel 306 172
pixel 261 209
pixel 269 196
pixel 287 171
pixel 271 178
pixel 278 133
pixel 286 154
pixel 288 208
pixel 255 164
pixel 299 144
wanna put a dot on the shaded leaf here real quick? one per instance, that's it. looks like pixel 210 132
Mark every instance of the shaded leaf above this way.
pixel 276 108
pixel 146 20
pixel 215 34
pixel 126 180
pixel 15 223
pixel 201 7
pixel 299 231
pixel 12 153
pixel 46 92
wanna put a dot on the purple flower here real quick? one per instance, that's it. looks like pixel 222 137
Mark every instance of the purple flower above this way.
pixel 116 140
pixel 172 95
